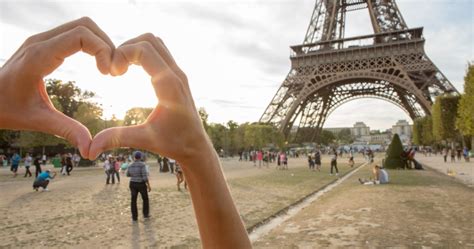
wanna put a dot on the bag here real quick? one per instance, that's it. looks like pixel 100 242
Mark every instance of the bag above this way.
pixel 418 165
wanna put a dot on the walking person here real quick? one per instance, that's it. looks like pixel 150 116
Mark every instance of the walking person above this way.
pixel 63 164
pixel 69 163
pixel 445 154
pixel 171 163
pixel 28 161
pixel 159 161
pixel 453 155
pixel 109 167
pixel 259 158
pixel 15 163
pixel 76 159
pixel 37 163
pixel 166 167
pixel 317 160
pixel 351 159
pixel 139 184
pixel 180 177
pixel 310 162
pixel 117 164
pixel 334 162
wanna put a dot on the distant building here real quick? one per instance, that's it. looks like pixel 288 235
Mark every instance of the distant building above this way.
pixel 360 129
pixel 404 131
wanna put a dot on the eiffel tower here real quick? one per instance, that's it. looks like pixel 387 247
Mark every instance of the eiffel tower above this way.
pixel 328 70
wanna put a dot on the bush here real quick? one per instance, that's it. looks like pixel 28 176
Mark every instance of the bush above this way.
pixel 393 159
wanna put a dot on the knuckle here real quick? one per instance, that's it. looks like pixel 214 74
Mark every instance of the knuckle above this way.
pixel 145 45
pixel 30 40
pixel 80 30
pixel 32 52
pixel 148 36
pixel 85 20
pixel 158 39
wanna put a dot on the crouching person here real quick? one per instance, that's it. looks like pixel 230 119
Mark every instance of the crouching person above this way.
pixel 380 176
pixel 43 180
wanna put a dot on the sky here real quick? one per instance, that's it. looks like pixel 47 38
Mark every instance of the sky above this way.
pixel 235 53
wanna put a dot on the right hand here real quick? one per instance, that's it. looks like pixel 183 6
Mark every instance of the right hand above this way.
pixel 24 104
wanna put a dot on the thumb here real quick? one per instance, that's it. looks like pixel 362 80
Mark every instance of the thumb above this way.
pixel 131 136
pixel 56 123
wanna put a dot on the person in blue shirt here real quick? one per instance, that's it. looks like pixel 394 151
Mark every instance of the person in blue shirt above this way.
pixel 15 162
pixel 380 177
pixel 43 180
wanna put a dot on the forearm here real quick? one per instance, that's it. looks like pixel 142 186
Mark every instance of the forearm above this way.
pixel 219 222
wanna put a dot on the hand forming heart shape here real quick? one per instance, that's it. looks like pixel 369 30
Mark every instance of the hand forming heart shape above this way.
pixel 173 128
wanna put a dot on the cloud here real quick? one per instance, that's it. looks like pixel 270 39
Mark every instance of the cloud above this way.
pixel 233 104
pixel 211 14
pixel 33 15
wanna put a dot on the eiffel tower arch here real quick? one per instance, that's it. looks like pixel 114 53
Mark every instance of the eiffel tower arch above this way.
pixel 328 70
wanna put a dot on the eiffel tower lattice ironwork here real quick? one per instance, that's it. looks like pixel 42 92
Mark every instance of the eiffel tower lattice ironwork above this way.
pixel 328 70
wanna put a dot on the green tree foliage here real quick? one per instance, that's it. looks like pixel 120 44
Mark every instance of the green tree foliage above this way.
pixel 30 139
pixel 345 137
pixel 260 135
pixel 136 115
pixel 67 97
pixel 465 119
pixel 423 131
pixel 325 138
pixel 90 115
pixel 204 117
pixel 305 135
pixel 393 159
pixel 444 117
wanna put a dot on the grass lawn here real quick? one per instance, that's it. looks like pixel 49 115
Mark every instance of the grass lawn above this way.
pixel 258 197
pixel 417 209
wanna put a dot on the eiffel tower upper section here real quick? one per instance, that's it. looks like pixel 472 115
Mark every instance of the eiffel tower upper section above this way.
pixel 328 70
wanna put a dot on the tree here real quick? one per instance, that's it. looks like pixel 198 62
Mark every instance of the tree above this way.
pixel 393 157
pixel 326 138
pixel 89 115
pixel 258 136
pixel 204 117
pixel 465 118
pixel 217 134
pixel 136 115
pixel 344 136
pixel 444 117
pixel 417 128
pixel 66 96
pixel 423 131
pixel 31 139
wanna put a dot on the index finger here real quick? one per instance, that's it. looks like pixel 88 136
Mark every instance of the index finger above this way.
pixel 83 21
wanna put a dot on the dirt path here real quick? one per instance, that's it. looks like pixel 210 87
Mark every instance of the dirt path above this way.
pixel 462 170
pixel 81 211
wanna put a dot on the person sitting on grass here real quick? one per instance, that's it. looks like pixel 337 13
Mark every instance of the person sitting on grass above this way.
pixel 43 180
pixel 380 177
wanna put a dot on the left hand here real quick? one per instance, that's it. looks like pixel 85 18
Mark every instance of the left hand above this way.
pixel 25 104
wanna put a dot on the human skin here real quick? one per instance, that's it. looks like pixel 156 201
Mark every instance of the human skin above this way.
pixel 173 129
